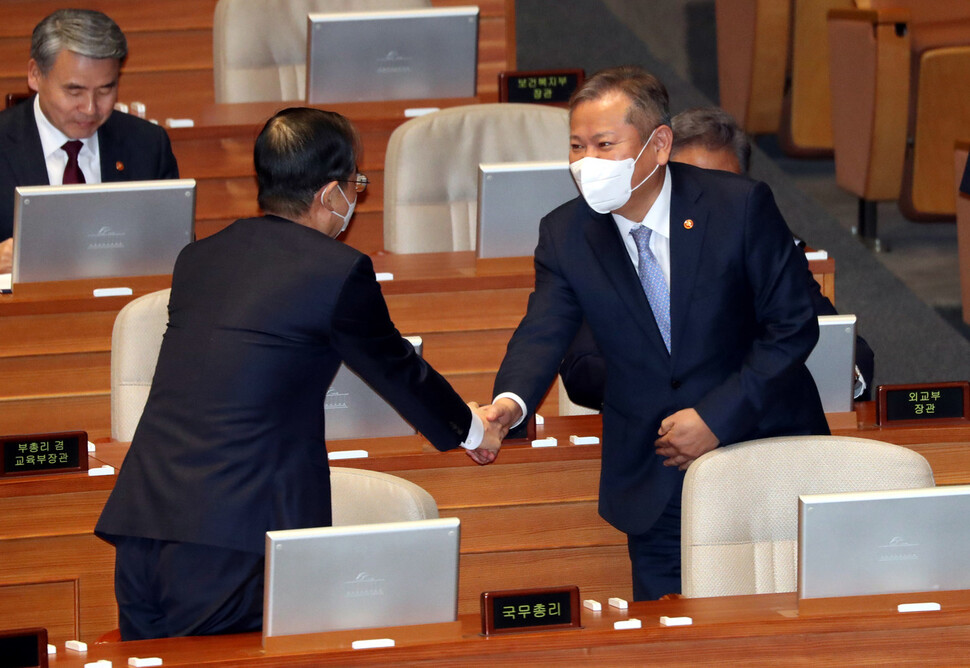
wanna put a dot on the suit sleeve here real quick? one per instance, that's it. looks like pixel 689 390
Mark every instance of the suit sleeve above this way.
pixel 167 165
pixel 786 324
pixel 365 337
pixel 551 320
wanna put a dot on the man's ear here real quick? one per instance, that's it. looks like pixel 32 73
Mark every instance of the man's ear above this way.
pixel 663 141
pixel 33 74
pixel 325 195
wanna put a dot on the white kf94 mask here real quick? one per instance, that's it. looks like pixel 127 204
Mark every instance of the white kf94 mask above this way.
pixel 605 184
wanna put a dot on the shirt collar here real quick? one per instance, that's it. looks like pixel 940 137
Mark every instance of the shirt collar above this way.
pixel 52 139
pixel 657 218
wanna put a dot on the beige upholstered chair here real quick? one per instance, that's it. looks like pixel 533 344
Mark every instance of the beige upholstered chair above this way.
pixel 359 496
pixel 567 406
pixel 740 505
pixel 259 46
pixel 431 169
pixel 135 342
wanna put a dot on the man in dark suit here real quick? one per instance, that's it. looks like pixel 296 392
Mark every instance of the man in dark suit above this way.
pixel 231 441
pixel 74 67
pixel 694 293
pixel 705 137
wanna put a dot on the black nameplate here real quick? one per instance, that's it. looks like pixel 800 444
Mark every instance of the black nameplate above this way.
pixel 530 610
pixel 35 454
pixel 542 87
pixel 922 404
pixel 23 648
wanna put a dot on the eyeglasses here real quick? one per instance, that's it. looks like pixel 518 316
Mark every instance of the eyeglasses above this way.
pixel 360 183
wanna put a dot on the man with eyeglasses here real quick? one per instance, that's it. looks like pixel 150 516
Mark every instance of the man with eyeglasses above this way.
pixel 231 441
pixel 696 297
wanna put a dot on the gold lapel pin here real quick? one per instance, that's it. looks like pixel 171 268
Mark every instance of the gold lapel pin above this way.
pixel 120 166
pixel 688 224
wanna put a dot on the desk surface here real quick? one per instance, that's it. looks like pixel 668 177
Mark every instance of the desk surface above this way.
pixel 743 630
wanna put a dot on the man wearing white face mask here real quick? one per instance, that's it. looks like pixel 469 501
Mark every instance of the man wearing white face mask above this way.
pixel 231 442
pixel 694 294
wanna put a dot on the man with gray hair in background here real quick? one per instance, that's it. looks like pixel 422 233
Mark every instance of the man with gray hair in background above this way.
pixel 69 131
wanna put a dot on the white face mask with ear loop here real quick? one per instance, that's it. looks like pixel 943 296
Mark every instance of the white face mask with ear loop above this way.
pixel 605 184
pixel 350 210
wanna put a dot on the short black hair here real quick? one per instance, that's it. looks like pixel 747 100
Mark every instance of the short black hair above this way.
pixel 299 151
pixel 714 129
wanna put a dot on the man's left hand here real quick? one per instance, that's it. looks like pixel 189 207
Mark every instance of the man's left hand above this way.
pixel 684 437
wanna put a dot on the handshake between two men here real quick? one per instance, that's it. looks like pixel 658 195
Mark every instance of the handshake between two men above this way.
pixel 683 436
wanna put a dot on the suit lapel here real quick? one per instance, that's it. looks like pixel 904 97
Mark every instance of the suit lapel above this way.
pixel 603 237
pixel 111 146
pixel 26 157
pixel 689 220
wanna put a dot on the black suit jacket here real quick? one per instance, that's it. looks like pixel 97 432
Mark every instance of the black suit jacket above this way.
pixel 742 325
pixel 231 442
pixel 131 149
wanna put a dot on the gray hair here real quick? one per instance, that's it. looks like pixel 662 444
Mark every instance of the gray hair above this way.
pixel 714 129
pixel 650 105
pixel 84 31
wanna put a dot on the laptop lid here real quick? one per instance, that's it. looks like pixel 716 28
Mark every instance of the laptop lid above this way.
pixel 135 228
pixel 361 576
pixel 402 54
pixel 512 199
pixel 353 409
pixel 865 543
pixel 832 362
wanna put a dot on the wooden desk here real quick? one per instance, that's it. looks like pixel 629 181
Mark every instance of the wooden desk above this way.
pixel 529 519
pixel 762 630
pixel 56 338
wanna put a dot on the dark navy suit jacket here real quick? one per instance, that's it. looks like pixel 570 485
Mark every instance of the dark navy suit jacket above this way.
pixel 131 149
pixel 231 442
pixel 742 325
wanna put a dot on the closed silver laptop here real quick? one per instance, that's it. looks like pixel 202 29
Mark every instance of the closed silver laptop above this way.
pixel 361 576
pixel 865 543
pixel 832 362
pixel 355 410
pixel 405 54
pixel 512 199
pixel 136 228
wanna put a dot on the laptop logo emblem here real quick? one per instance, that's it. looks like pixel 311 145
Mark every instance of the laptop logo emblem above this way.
pixel 364 585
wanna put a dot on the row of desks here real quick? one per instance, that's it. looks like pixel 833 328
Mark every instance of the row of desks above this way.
pixel 763 630
pixel 529 519
pixel 56 337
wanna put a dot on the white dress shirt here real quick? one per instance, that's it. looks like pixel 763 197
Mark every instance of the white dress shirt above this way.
pixel 51 141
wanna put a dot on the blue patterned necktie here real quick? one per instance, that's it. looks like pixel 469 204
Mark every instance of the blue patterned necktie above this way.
pixel 652 280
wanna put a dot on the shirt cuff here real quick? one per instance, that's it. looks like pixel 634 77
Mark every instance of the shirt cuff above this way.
pixel 860 384
pixel 476 433
pixel 517 399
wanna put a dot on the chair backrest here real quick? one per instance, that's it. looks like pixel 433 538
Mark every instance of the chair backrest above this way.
pixel 567 406
pixel 135 341
pixel 259 46
pixel 739 523
pixel 359 496
pixel 431 168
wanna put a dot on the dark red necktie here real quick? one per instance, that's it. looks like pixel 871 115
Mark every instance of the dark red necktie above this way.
pixel 72 173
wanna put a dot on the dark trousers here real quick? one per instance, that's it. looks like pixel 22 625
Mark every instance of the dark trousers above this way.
pixel 167 589
pixel 655 555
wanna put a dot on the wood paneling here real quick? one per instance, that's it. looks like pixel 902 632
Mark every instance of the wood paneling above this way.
pixel 170 48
